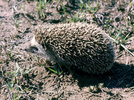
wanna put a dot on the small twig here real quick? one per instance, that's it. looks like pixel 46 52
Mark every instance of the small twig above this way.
pixel 122 46
pixel 127 49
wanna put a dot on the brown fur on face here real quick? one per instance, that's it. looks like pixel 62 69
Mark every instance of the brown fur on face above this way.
pixel 78 44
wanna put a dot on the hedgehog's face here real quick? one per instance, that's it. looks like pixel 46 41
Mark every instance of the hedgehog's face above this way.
pixel 35 48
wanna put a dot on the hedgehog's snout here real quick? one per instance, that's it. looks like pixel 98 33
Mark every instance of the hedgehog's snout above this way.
pixel 32 49
pixel 35 48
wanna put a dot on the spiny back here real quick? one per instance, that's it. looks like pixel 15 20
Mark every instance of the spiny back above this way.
pixel 79 44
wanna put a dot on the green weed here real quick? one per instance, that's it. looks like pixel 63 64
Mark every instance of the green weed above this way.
pixel 13 83
pixel 120 38
pixel 23 7
pixel 82 5
pixel 57 0
pixel 17 22
pixel 10 55
pixel 129 23
pixel 55 70
pixel 92 9
pixel 76 18
pixel 41 8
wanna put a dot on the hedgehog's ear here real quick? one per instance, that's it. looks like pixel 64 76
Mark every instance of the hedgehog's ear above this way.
pixel 33 42
pixel 33 45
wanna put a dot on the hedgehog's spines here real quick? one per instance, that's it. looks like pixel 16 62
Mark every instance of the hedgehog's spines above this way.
pixel 80 44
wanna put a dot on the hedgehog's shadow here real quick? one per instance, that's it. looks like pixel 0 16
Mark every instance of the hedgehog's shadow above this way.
pixel 119 76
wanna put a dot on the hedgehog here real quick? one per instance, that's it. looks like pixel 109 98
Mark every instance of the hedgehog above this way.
pixel 81 45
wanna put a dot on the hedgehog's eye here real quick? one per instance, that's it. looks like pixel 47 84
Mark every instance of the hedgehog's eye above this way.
pixel 33 49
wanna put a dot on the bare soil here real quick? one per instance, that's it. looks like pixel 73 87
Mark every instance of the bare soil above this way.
pixel 24 76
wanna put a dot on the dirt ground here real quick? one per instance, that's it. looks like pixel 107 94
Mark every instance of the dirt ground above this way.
pixel 24 76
